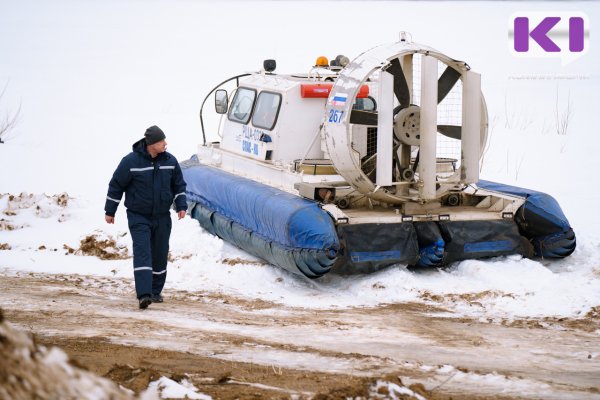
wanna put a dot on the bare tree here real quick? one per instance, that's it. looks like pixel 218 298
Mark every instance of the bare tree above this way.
pixel 9 120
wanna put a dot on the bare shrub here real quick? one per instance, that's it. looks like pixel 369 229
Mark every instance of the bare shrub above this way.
pixel 516 117
pixel 562 117
pixel 9 120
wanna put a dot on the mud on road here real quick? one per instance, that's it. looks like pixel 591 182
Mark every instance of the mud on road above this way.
pixel 241 348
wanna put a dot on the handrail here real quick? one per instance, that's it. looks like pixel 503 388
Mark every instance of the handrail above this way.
pixel 208 95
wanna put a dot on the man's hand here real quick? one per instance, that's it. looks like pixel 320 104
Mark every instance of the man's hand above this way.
pixel 109 219
pixel 181 214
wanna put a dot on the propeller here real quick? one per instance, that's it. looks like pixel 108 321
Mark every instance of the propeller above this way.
pixel 361 117
pixel 451 131
pixel 400 86
pixel 445 84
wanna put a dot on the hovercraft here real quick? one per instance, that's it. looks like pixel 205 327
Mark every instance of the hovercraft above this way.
pixel 358 165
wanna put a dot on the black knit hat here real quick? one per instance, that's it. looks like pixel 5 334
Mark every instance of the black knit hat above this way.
pixel 154 134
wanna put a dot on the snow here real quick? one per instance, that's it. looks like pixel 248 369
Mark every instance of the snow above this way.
pixel 494 382
pixel 165 388
pixel 90 78
pixel 392 391
pixel 501 288
pixel 36 371
pixel 503 383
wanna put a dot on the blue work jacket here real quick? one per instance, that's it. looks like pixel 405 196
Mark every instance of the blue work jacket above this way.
pixel 151 185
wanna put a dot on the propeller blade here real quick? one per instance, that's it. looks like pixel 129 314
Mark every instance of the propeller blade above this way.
pixel 451 131
pixel 446 82
pixel 363 117
pixel 400 85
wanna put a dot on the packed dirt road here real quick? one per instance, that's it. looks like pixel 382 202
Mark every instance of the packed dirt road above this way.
pixel 240 348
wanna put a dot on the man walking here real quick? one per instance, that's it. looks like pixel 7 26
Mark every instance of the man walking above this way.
pixel 152 180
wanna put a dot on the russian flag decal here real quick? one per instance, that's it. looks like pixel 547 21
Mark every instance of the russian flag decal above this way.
pixel 340 99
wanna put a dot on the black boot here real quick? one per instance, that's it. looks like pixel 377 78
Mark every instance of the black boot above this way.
pixel 145 301
pixel 157 298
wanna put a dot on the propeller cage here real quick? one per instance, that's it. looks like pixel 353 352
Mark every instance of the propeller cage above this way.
pixel 412 85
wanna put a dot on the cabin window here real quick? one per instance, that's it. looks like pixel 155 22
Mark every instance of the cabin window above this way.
pixel 266 111
pixel 365 104
pixel 241 107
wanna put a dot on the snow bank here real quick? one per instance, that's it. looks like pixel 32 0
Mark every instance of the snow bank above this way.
pixel 30 371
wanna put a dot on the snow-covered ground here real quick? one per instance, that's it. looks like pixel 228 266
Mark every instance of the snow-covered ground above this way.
pixel 91 76
pixel 505 287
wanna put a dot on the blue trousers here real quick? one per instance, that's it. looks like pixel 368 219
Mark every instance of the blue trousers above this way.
pixel 150 235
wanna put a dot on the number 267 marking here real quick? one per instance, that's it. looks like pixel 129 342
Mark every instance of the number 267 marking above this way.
pixel 335 116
